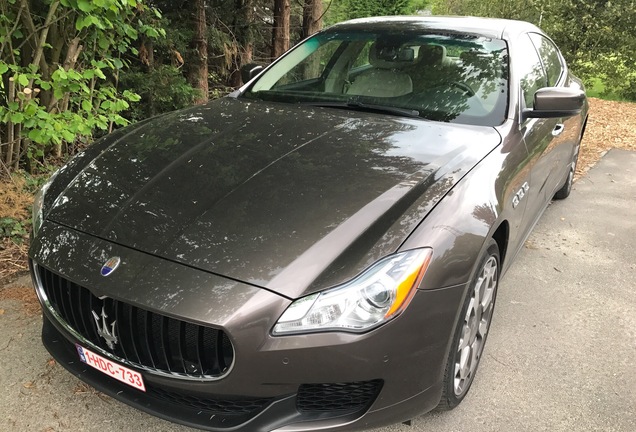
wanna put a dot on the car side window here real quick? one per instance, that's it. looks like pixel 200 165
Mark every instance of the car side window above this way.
pixel 550 57
pixel 531 72
pixel 312 67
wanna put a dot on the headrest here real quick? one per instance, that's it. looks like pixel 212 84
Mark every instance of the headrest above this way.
pixel 473 55
pixel 385 56
pixel 431 54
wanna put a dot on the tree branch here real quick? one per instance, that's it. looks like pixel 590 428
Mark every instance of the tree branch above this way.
pixel 15 26
pixel 34 30
pixel 39 50
pixel 326 10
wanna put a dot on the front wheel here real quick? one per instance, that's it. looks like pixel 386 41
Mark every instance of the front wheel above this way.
pixel 472 330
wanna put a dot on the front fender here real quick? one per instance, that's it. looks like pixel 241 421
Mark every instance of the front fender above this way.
pixel 457 231
pixel 458 227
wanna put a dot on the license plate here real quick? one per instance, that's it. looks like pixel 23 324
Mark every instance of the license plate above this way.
pixel 120 373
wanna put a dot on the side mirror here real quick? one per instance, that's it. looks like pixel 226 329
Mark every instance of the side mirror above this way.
pixel 249 71
pixel 551 102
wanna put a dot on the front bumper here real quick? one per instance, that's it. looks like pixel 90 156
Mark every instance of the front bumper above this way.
pixel 406 356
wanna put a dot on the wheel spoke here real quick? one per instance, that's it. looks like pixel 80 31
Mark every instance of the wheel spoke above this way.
pixel 487 300
pixel 470 312
pixel 474 358
pixel 479 287
pixel 464 359
pixel 483 327
pixel 465 338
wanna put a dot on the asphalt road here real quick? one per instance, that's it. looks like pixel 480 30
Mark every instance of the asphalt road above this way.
pixel 561 355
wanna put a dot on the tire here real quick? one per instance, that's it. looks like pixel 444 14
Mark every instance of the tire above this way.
pixel 458 379
pixel 565 190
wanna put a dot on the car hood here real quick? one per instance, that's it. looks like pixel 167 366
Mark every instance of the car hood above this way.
pixel 290 198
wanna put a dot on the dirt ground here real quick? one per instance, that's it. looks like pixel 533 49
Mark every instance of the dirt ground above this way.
pixel 610 125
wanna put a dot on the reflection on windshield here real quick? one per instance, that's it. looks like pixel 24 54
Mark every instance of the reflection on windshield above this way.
pixel 442 77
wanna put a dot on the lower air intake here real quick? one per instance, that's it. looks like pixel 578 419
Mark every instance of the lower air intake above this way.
pixel 337 398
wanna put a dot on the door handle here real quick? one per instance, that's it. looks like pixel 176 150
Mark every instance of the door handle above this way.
pixel 558 129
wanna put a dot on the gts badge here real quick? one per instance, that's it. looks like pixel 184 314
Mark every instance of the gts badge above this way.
pixel 520 194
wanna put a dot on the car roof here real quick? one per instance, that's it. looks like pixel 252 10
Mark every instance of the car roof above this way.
pixel 488 27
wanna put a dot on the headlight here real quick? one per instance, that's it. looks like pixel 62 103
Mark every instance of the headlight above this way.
pixel 375 296
pixel 37 216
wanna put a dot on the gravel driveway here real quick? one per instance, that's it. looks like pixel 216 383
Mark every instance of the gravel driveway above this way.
pixel 560 356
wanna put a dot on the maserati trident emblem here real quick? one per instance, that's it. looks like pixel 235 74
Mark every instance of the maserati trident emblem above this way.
pixel 102 329
pixel 110 266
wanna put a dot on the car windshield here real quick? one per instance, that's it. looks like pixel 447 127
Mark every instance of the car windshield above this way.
pixel 436 76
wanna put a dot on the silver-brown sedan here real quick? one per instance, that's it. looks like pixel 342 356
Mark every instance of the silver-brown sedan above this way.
pixel 320 250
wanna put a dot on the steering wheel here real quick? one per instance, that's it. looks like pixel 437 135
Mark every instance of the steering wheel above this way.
pixel 469 91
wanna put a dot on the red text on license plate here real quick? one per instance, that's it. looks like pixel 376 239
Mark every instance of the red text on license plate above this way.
pixel 121 373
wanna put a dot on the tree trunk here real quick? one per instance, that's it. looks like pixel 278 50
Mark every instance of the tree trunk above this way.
pixel 244 39
pixel 72 54
pixel 280 32
pixel 198 70
pixel 38 58
pixel 17 146
pixel 312 17
pixel 147 57
pixel 10 137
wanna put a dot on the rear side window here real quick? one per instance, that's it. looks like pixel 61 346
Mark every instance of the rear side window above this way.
pixel 550 57
pixel 531 71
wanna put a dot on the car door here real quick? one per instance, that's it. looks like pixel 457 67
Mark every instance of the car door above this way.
pixel 540 135
pixel 565 140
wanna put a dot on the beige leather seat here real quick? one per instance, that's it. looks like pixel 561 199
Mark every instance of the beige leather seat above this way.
pixel 384 79
pixel 431 67
pixel 431 55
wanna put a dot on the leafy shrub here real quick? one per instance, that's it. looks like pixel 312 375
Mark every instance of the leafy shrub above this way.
pixel 161 89
pixel 13 229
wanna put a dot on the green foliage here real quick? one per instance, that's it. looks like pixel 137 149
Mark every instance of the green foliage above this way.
pixel 32 183
pixel 87 110
pixel 596 88
pixel 14 229
pixel 158 78
pixel 341 10
pixel 527 10
pixel 57 105
pixel 161 90
pixel 597 38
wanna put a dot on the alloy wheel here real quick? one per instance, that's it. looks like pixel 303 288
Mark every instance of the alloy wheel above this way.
pixel 475 326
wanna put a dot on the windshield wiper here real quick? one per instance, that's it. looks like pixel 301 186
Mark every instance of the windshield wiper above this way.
pixel 361 106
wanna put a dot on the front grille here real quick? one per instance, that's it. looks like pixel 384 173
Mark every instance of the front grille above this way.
pixel 236 405
pixel 145 339
pixel 337 397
